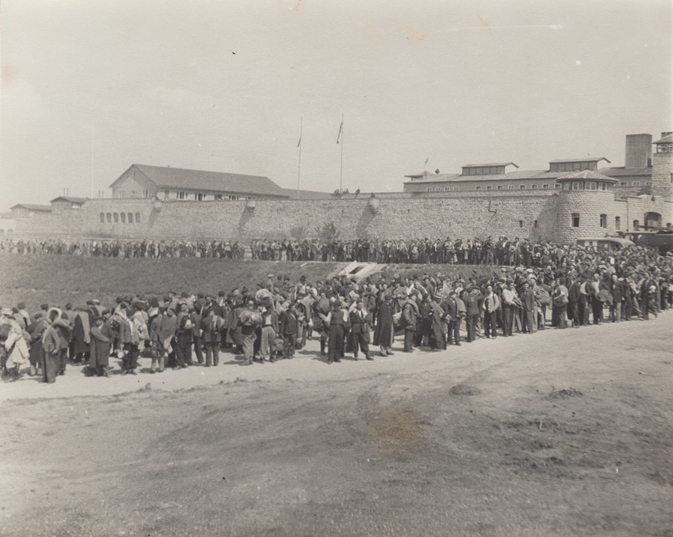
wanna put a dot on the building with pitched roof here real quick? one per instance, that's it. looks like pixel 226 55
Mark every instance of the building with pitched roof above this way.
pixel 166 183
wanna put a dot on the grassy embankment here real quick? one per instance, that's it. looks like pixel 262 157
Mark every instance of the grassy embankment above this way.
pixel 60 279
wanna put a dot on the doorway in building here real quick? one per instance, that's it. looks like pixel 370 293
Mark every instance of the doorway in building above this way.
pixel 652 219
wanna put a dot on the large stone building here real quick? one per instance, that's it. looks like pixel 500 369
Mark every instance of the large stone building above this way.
pixel 570 200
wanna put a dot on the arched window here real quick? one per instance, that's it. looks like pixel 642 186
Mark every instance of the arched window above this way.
pixel 137 218
pixel 123 217
pixel 102 218
pixel 130 217
pixel 576 219
pixel 108 216
pixel 116 217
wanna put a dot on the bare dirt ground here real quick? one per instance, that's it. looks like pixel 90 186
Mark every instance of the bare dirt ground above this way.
pixel 567 432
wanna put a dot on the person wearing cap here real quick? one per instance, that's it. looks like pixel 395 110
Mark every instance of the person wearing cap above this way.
pixel 360 321
pixel 472 298
pixel 211 334
pixel 54 340
pixel 490 305
pixel 99 355
pixel 15 347
pixel 437 338
pixel 454 311
pixel 409 321
pixel 529 308
pixel 248 320
pixel 288 329
pixel 36 353
pixel 162 332
pixel 337 327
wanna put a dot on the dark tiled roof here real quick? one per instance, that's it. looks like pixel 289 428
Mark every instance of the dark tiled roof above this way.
pixel 165 177
pixel 31 207
pixel 307 194
pixel 591 175
pixel 493 164
pixel 588 159
pixel 626 172
pixel 69 198
pixel 511 176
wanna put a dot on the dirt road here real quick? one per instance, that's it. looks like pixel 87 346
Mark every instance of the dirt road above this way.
pixel 567 432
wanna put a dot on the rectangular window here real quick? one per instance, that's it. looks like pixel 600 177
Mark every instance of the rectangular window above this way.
pixel 522 187
pixel 137 218
pixel 576 219
pixel 604 186
pixel 489 187
pixel 455 188
pixel 591 185
pixel 635 183
pixel 535 224
pixel 545 187
pixel 604 220
pixel 520 223
pixel 533 187
pixel 557 186
pixel 182 195
pixel 218 196
pixel 499 187
pixel 623 183
pixel 510 187
pixel 618 222
pixel 477 188
pixel 198 196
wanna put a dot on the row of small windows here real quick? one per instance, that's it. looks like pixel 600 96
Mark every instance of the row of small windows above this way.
pixel 603 221
pixel 635 183
pixel 484 170
pixel 489 187
pixel 572 166
pixel 200 196
pixel 119 217
pixel 133 194
pixel 585 185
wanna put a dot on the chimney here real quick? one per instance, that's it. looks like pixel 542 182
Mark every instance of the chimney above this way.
pixel 638 150
pixel 664 134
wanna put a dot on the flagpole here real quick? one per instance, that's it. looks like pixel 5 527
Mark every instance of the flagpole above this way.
pixel 92 148
pixel 341 173
pixel 301 129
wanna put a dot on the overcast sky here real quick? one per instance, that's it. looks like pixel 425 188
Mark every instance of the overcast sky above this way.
pixel 91 87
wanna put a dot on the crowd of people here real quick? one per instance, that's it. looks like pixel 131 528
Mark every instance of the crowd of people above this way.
pixel 490 251
pixel 275 317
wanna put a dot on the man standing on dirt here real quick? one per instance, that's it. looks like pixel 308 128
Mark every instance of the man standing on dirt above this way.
pixel 248 320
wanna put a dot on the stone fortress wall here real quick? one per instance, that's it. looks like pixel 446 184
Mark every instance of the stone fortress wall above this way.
pixel 533 215
pixel 556 215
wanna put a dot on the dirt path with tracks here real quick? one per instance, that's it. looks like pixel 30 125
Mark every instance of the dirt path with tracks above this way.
pixel 567 432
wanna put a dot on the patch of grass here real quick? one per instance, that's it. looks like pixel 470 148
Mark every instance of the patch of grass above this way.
pixel 57 279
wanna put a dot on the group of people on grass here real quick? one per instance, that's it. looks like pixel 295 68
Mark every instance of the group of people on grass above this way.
pixel 276 317
pixel 489 251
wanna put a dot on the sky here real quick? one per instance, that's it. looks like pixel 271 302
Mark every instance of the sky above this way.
pixel 91 87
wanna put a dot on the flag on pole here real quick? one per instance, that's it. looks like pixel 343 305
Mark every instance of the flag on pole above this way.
pixel 301 129
pixel 340 129
pixel 426 161
pixel 299 142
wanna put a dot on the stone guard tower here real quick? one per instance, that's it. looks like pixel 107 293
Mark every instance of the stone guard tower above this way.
pixel 585 206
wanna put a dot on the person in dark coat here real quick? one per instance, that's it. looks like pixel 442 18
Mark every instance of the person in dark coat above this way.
pixel 36 353
pixel 99 348
pixel 211 327
pixel 288 331
pixel 452 316
pixel 473 299
pixel 437 322
pixel 384 332
pixel 410 322
pixel 337 327
pixel 360 320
